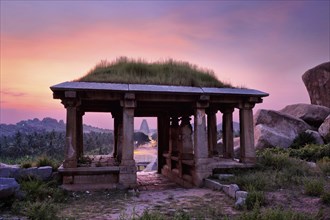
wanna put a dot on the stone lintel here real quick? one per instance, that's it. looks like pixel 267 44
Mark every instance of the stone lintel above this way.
pixel 70 94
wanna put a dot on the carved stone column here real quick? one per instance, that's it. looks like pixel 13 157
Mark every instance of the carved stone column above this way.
pixel 227 132
pixel 212 132
pixel 127 175
pixel 80 134
pixel 70 151
pixel 163 125
pixel 201 170
pixel 118 136
pixel 247 149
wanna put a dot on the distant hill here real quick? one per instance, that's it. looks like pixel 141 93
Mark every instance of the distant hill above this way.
pixel 36 125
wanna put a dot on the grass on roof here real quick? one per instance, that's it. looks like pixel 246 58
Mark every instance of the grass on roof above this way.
pixel 170 72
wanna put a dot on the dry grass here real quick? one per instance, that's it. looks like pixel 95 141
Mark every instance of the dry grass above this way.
pixel 170 72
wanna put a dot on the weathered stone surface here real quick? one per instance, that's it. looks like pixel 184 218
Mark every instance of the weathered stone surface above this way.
pixel 240 202
pixel 233 188
pixel 317 82
pixel 316 136
pixel 212 184
pixel 273 128
pixel 241 194
pixel 8 171
pixel 324 129
pixel 8 187
pixel 225 176
pixel 44 173
pixel 314 115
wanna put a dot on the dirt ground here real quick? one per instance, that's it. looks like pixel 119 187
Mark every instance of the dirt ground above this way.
pixel 155 193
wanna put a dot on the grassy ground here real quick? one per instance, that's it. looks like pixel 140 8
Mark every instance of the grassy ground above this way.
pixel 169 72
pixel 280 187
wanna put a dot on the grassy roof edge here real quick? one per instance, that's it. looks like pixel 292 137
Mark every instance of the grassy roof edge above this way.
pixel 168 72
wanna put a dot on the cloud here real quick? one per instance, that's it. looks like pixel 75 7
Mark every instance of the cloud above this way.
pixel 12 93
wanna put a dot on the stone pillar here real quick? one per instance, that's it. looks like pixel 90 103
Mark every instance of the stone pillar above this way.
pixel 70 154
pixel 174 135
pixel 212 132
pixel 200 144
pixel 227 132
pixel 186 145
pixel 163 124
pixel 80 135
pixel 247 148
pixel 118 137
pixel 127 176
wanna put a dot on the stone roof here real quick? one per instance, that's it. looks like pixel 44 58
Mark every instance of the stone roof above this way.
pixel 155 89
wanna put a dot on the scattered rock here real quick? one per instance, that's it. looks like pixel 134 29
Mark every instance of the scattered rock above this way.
pixel 317 82
pixel 8 187
pixel 316 136
pixel 212 184
pixel 233 188
pixel 240 202
pixel 314 115
pixel 324 129
pixel 241 194
pixel 273 128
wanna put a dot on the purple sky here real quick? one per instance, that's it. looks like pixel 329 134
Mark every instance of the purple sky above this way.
pixel 265 45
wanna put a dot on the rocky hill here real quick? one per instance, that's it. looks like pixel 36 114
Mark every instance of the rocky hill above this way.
pixel 35 125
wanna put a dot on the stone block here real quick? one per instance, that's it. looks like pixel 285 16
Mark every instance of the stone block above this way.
pixel 225 176
pixel 212 184
pixel 225 189
pixel 8 187
pixel 44 173
pixel 8 172
pixel 241 194
pixel 240 202
pixel 233 188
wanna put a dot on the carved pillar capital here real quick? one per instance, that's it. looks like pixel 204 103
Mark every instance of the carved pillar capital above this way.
pixel 128 101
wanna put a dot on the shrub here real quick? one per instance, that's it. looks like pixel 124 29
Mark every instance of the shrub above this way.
pixel 274 159
pixel 274 214
pixel 258 180
pixel 302 139
pixel 255 199
pixel 147 215
pixel 26 164
pixel 311 152
pixel 325 198
pixel 45 161
pixel 41 211
pixel 314 187
pixel 324 165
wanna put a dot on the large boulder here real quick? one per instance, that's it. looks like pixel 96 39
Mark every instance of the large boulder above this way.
pixel 273 128
pixel 314 115
pixel 324 129
pixel 317 82
pixel 8 187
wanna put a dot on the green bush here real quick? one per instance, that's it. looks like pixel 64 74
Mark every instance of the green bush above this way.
pixel 324 165
pixel 45 161
pixel 147 215
pixel 274 158
pixel 41 211
pixel 26 164
pixel 325 198
pixel 255 199
pixel 302 139
pixel 314 187
pixel 311 152
pixel 258 180
pixel 274 214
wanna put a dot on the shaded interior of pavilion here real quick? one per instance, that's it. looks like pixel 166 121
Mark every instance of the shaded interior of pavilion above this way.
pixel 188 151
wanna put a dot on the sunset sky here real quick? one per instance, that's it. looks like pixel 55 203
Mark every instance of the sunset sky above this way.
pixel 265 45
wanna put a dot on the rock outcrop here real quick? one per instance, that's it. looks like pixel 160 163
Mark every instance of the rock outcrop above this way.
pixel 273 128
pixel 314 115
pixel 8 187
pixel 317 82
pixel 324 129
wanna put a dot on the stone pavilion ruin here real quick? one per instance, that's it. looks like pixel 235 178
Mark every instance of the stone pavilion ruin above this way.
pixel 187 152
